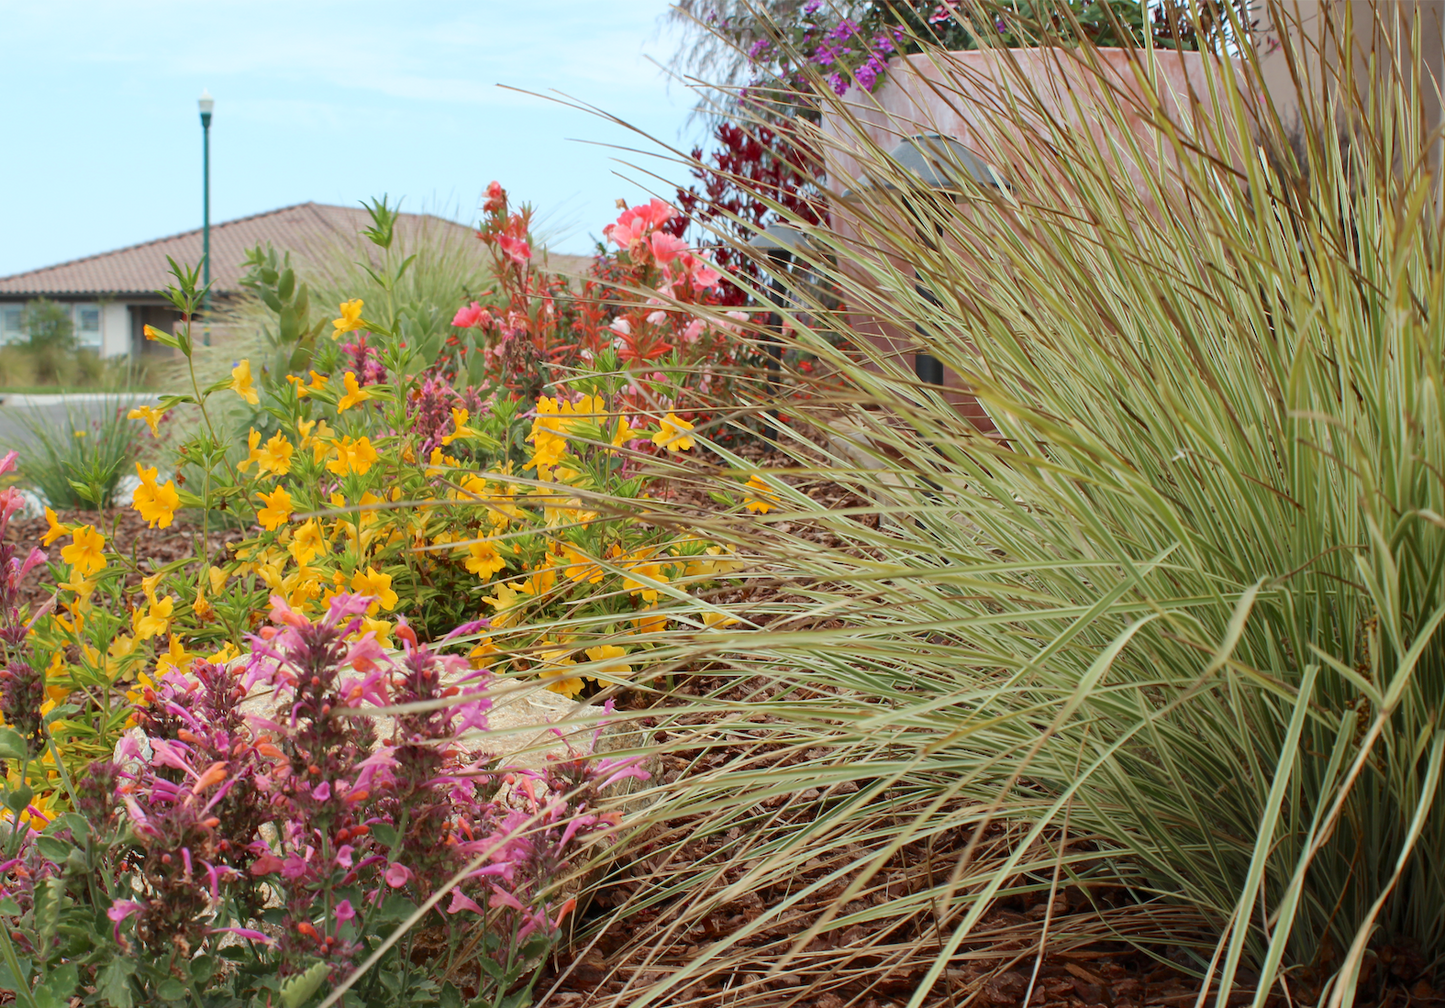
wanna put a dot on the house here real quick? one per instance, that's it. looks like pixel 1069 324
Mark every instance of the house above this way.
pixel 113 295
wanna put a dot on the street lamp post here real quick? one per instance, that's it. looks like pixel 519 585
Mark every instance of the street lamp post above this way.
pixel 933 167
pixel 778 243
pixel 206 104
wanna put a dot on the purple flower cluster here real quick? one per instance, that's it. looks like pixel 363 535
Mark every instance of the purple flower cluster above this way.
pixel 365 361
pixel 22 686
pixel 429 410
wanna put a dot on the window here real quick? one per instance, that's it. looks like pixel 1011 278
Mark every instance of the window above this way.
pixel 10 331
pixel 87 325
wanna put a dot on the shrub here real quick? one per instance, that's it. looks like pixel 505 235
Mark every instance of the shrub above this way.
pixel 79 464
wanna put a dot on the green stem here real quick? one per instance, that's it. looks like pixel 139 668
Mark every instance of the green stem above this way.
pixel 22 983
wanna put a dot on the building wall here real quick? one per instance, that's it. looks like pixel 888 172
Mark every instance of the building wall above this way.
pixel 115 328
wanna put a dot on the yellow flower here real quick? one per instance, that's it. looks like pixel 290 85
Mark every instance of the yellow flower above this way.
pixel 253 443
pixel 639 563
pixel 156 504
pixel 175 657
pixel 323 434
pixel 374 584
pixel 477 656
pixel 86 553
pixel 673 434
pixel 241 383
pixel 227 652
pixel 504 603
pixel 350 317
pixel 150 415
pixel 460 428
pixel 580 567
pixel 717 621
pixel 152 333
pixel 304 388
pixel 552 665
pixel 277 509
pixel 380 627
pixel 624 433
pixel 355 394
pixel 55 531
pixel 217 577
pixel 308 543
pixel 539 582
pixel 650 620
pixel 156 620
pixel 201 607
pixel 275 458
pixel 483 559
pixel 609 653
pixel 765 499
pixel 352 456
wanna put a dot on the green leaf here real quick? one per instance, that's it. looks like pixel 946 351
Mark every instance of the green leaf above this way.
pixel 286 286
pixel 12 745
pixel 52 848
pixel 113 983
pixel 10 982
pixel 295 991
pixel 450 996
pixel 9 908
pixel 57 987
pixel 171 989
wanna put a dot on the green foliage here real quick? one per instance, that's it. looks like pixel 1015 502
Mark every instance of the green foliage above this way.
pixel 78 463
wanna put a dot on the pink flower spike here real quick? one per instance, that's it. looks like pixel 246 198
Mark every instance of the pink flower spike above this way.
pixel 8 462
pixel 344 911
pixel 397 875
pixel 35 558
pixel 460 902
pixel 283 613
pixel 502 898
pixel 322 791
pixel 246 933
pixel 343 857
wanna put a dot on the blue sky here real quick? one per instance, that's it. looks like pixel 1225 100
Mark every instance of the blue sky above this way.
pixel 335 101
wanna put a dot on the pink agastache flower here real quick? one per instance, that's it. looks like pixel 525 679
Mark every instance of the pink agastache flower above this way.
pixel 462 902
pixel 7 462
pixel 397 875
pixel 344 911
pixel 666 247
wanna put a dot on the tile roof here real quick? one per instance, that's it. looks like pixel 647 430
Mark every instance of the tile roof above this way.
pixel 142 269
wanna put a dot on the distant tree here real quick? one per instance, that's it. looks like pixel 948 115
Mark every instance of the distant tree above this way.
pixel 51 338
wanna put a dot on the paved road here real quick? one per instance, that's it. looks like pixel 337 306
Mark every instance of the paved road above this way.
pixel 57 412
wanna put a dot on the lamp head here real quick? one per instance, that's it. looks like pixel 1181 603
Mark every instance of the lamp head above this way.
pixel 206 104
pixel 940 162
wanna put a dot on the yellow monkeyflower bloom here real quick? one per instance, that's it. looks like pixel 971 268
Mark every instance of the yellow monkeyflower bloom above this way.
pixel 152 333
pixel 350 317
pixel 483 559
pixel 624 433
pixel 201 607
pixel 642 565
pixel 580 566
pixel 308 542
pixel 156 504
pixel 609 653
pixel 377 585
pixel 764 497
pixel 275 458
pixel 55 531
pixel 553 663
pixel 277 510
pixel 460 428
pixel 323 434
pixel 717 620
pixel 305 388
pixel 352 456
pixel 87 552
pixel 673 434
pixel 175 657
pixel 217 578
pixel 150 415
pixel 355 394
pixel 504 603
pixel 156 618
pixel 253 446
pixel 650 620
pixel 241 383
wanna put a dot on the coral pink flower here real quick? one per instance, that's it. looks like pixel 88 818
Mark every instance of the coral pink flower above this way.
pixel 516 249
pixel 467 317
pixel 665 247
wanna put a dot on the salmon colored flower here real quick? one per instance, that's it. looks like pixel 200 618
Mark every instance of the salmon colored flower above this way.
pixel 277 510
pixel 241 383
pixel 350 318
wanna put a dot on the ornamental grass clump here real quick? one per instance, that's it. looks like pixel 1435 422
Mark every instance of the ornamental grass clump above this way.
pixel 1155 646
